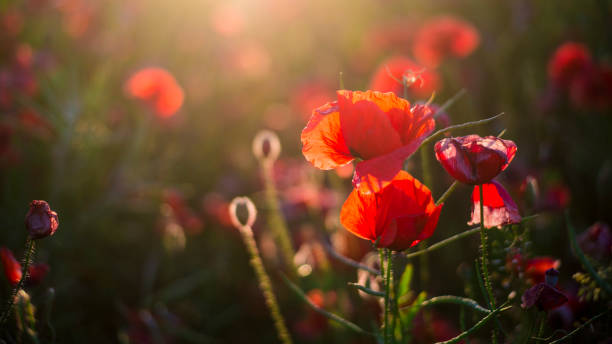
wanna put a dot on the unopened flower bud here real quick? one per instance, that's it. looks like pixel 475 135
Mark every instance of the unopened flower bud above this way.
pixel 266 146
pixel 40 220
pixel 552 276
pixel 251 212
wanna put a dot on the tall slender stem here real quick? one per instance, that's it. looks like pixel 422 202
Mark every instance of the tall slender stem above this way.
pixel 264 284
pixel 484 255
pixel 276 220
pixel 385 256
pixel 25 264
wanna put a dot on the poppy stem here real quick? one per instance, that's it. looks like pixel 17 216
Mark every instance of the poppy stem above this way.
pixel 384 255
pixel 264 283
pixel 349 261
pixel 447 193
pixel 478 325
pixel 25 264
pixel 276 219
pixel 323 312
pixel 456 237
pixel 441 132
pixel 484 255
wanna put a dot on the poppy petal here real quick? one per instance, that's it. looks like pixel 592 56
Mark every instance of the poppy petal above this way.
pixel 323 143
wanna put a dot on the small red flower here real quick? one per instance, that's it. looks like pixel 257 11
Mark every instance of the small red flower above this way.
pixel 570 60
pixel 535 268
pixel 401 214
pixel 379 128
pixel 442 37
pixel 473 159
pixel 499 208
pixel 390 75
pixel 596 241
pixel 12 268
pixel 592 88
pixel 40 220
pixel 157 88
pixel 544 295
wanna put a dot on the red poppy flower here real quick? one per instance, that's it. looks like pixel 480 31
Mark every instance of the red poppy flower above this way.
pixel 544 295
pixel 401 214
pixel 391 72
pixel 379 128
pixel 535 268
pixel 473 159
pixel 40 220
pixel 499 208
pixel 442 37
pixel 596 241
pixel 592 88
pixel 158 88
pixel 12 268
pixel 570 60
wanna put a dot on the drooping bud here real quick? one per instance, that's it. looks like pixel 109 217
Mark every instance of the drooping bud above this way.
pixel 40 220
pixel 245 204
pixel 551 278
pixel 266 146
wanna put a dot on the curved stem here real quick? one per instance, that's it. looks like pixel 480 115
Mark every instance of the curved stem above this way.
pixel 25 264
pixel 463 301
pixel 477 326
pixel 459 126
pixel 323 312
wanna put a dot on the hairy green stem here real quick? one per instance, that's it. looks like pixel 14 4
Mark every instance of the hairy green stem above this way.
pixel 579 328
pixel 477 326
pixel 484 257
pixel 264 284
pixel 25 264
pixel 349 261
pixel 367 290
pixel 463 301
pixel 276 219
pixel 441 132
pixel 387 284
pixel 323 312
pixel 447 193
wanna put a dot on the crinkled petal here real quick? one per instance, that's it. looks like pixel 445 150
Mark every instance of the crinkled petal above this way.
pixel 365 125
pixel 323 143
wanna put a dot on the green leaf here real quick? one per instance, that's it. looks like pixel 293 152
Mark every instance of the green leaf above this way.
pixel 404 284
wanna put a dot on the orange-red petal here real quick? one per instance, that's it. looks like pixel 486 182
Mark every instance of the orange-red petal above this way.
pixel 323 143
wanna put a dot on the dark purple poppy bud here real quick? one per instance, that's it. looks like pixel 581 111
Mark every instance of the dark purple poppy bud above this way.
pixel 40 220
pixel 551 277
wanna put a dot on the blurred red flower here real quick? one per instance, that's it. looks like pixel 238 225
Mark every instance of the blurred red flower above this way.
pixel 592 88
pixel 181 212
pixel 442 37
pixel 596 241
pixel 535 268
pixel 390 75
pixel 569 61
pixel 473 159
pixel 40 220
pixel 499 208
pixel 158 88
pixel 310 95
pixel 401 214
pixel 12 269
pixel 379 128
pixel 544 295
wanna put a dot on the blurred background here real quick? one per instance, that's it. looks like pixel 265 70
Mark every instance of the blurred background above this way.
pixel 134 120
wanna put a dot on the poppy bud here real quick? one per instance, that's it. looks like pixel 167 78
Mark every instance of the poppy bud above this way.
pixel 250 208
pixel 40 220
pixel 266 146
pixel 473 159
pixel 551 278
